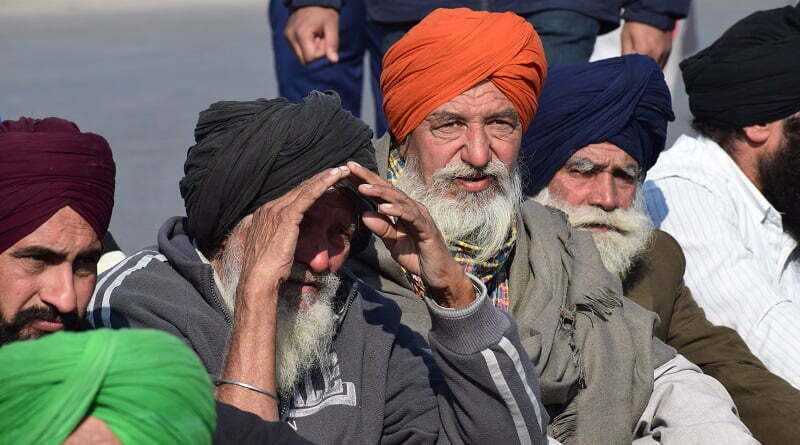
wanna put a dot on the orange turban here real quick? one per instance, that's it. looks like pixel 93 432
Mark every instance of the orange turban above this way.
pixel 452 50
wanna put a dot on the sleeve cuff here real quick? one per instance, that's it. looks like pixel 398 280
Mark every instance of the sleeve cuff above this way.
pixel 470 329
pixel 294 4
pixel 660 21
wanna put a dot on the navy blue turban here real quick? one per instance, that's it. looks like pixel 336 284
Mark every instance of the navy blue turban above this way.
pixel 622 100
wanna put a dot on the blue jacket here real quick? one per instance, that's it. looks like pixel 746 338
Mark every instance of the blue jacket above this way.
pixel 659 13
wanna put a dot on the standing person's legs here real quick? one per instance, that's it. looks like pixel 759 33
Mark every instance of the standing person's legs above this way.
pixel 380 36
pixel 568 37
pixel 374 35
pixel 295 81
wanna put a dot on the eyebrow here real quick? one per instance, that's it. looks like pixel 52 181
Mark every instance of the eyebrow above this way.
pixel 51 256
pixel 443 115
pixel 508 113
pixel 585 165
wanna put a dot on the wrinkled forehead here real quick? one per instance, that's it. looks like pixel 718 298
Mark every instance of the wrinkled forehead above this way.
pixel 604 154
pixel 481 100
pixel 334 205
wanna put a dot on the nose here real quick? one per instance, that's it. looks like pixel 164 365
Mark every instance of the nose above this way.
pixel 604 193
pixel 313 252
pixel 58 290
pixel 477 150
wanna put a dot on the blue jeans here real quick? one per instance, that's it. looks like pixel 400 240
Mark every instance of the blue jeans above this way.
pixel 568 37
pixel 356 37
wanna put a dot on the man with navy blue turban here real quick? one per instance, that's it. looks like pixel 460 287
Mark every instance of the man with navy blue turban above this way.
pixel 600 128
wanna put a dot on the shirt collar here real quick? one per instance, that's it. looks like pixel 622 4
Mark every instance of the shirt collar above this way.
pixel 750 193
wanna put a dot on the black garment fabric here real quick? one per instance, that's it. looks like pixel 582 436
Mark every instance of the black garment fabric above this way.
pixel 237 427
pixel 661 14
pixel 249 153
pixel 750 74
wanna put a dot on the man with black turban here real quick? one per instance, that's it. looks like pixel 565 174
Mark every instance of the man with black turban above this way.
pixel 731 195
pixel 253 280
pixel 601 126
pixel 460 90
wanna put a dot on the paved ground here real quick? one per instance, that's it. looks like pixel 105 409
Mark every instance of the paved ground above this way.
pixel 138 72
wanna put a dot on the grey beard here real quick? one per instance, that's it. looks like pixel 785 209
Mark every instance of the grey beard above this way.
pixel 480 218
pixel 619 248
pixel 304 337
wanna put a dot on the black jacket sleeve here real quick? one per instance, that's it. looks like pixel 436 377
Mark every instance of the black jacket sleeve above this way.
pixel 237 427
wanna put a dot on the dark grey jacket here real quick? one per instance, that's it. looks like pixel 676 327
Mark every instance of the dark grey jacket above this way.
pixel 475 385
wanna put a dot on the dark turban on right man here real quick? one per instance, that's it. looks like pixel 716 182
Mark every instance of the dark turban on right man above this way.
pixel 621 100
pixel 452 50
pixel 745 78
pixel 249 153
pixel 46 165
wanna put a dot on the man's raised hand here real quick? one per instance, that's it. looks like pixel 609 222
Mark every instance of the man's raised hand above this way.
pixel 313 33
pixel 273 231
pixel 413 239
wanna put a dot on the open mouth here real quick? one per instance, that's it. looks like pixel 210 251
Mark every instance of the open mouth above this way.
pixel 53 325
pixel 475 183
pixel 597 227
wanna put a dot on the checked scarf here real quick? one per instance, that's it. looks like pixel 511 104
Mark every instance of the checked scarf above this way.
pixel 493 272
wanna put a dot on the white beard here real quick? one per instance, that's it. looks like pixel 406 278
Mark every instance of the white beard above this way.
pixel 304 336
pixel 480 218
pixel 631 234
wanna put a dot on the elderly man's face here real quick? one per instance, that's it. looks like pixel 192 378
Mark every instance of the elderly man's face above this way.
pixel 461 164
pixel 600 175
pixel 324 241
pixel 598 189
pixel 472 129
pixel 306 318
pixel 48 278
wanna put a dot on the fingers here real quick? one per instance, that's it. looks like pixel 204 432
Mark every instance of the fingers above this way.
pixel 313 33
pixel 309 47
pixel 309 191
pixel 331 40
pixel 363 175
pixel 381 226
pixel 626 41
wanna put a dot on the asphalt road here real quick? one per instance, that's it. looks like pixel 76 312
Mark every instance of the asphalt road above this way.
pixel 139 77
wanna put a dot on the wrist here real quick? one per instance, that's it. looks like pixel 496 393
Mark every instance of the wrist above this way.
pixel 457 293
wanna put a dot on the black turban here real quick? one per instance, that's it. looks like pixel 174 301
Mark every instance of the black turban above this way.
pixel 622 100
pixel 750 75
pixel 249 153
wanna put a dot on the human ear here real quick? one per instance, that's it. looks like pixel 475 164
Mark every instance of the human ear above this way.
pixel 760 133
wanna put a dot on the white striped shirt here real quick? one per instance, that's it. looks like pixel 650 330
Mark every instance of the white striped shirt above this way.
pixel 741 266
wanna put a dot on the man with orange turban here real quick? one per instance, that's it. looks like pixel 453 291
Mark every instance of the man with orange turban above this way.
pixel 460 89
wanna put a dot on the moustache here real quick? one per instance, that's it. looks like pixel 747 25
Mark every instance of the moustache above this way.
pixel 494 169
pixel 10 331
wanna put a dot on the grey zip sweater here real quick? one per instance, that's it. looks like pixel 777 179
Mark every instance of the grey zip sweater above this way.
pixel 475 385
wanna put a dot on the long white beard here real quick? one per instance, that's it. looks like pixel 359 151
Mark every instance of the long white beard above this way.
pixel 480 218
pixel 619 248
pixel 306 322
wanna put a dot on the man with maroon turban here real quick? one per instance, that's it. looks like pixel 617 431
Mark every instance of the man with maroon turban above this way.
pixel 460 89
pixel 57 188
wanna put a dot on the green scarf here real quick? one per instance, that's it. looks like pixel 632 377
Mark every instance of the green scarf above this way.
pixel 146 385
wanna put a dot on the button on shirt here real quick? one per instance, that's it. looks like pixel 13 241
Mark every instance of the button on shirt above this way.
pixel 742 267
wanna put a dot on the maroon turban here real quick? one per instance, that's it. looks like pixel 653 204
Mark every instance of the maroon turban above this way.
pixel 46 165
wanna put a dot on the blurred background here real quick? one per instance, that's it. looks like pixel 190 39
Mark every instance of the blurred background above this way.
pixel 139 71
